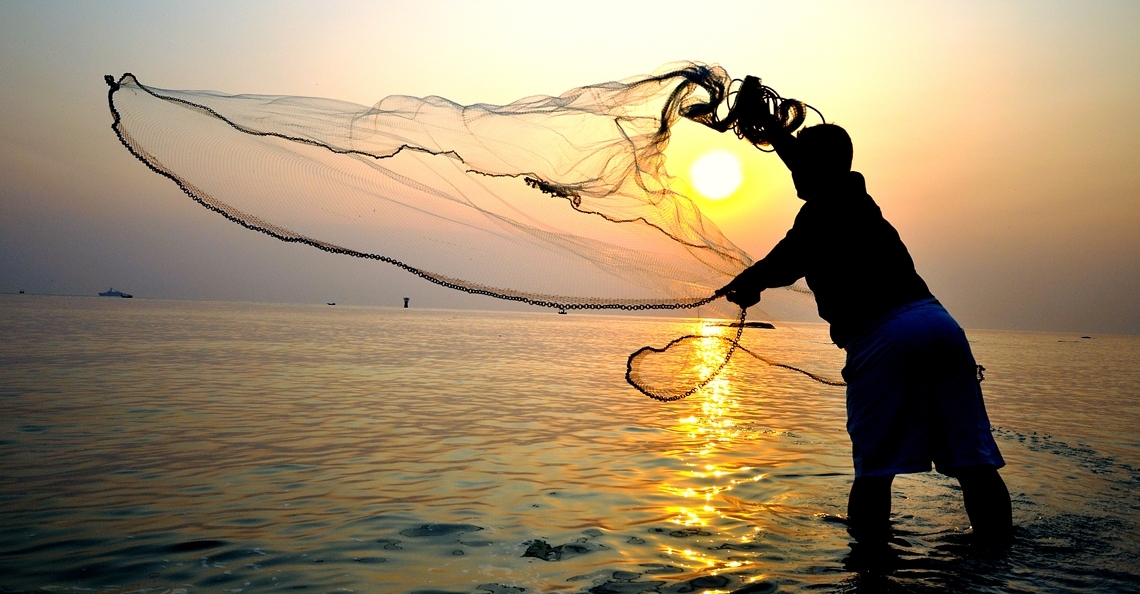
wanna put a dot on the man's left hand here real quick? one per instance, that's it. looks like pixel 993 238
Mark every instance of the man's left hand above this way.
pixel 741 291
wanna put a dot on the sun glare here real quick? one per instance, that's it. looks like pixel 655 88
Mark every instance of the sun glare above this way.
pixel 716 175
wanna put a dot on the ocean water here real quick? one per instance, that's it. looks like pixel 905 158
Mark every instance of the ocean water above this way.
pixel 165 446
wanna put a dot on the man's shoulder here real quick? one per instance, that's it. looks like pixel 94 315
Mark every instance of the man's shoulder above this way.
pixel 852 193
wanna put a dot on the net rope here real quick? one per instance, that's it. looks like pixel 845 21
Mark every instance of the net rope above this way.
pixel 559 202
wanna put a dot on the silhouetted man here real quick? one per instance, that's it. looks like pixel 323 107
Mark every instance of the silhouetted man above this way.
pixel 912 392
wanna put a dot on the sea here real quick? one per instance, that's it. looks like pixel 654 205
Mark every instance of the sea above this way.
pixel 183 447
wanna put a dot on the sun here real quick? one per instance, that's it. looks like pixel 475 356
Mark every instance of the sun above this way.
pixel 716 175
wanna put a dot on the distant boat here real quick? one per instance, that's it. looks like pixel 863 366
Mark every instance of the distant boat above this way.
pixel 332 303
pixel 113 293
pixel 764 325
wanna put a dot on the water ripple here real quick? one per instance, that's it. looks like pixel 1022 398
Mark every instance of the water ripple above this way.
pixel 174 446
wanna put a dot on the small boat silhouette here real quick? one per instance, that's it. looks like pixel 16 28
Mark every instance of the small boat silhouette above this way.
pixel 113 293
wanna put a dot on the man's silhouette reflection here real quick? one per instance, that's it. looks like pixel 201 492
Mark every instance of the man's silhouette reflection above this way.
pixel 913 396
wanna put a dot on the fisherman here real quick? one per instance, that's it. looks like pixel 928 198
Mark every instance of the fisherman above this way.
pixel 913 393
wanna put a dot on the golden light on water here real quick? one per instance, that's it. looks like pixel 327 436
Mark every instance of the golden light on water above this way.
pixel 708 431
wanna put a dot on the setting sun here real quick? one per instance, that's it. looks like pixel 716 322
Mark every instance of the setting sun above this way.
pixel 716 175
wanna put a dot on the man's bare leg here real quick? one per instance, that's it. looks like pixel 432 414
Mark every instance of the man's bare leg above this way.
pixel 987 503
pixel 869 509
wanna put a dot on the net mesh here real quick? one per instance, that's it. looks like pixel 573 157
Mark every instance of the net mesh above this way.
pixel 560 202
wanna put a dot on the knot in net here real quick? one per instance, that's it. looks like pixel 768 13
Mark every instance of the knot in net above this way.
pixel 560 202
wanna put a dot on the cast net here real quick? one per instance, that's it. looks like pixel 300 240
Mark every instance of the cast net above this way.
pixel 560 202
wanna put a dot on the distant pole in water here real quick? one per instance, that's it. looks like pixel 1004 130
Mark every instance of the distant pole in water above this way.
pixel 406 300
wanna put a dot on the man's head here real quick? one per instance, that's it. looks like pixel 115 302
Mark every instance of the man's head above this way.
pixel 825 148
pixel 822 155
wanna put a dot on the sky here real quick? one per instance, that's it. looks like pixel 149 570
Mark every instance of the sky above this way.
pixel 1000 138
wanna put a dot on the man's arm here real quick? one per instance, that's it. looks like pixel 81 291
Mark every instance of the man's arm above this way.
pixel 780 268
pixel 784 143
pixel 783 265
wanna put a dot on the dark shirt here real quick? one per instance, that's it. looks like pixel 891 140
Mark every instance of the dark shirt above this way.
pixel 852 258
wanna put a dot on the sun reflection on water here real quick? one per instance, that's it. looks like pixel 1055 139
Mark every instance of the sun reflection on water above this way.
pixel 709 431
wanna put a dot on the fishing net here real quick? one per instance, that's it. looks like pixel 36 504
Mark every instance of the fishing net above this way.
pixel 560 202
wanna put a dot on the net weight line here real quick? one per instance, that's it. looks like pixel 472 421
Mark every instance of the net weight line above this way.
pixel 734 345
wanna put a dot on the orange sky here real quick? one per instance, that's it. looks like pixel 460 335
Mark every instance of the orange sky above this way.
pixel 1001 139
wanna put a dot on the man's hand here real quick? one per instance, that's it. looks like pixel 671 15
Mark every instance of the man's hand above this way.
pixel 742 291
